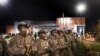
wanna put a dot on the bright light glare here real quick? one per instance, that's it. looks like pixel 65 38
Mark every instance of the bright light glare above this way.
pixel 16 31
pixel 3 2
pixel 81 7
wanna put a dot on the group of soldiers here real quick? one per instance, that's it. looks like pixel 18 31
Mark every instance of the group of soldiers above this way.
pixel 58 43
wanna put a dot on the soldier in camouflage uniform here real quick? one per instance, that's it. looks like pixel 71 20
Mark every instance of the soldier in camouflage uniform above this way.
pixel 43 44
pixel 53 40
pixel 3 47
pixel 22 44
pixel 63 44
pixel 72 41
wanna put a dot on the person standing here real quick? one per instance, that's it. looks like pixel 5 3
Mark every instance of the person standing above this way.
pixel 22 44
pixel 43 44
pixel 3 47
pixel 64 45
pixel 53 40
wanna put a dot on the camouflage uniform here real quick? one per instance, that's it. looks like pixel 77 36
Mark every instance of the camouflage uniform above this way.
pixel 54 42
pixel 22 46
pixel 63 45
pixel 3 47
pixel 72 43
pixel 43 47
pixel 43 44
pixel 54 45
pixel 69 48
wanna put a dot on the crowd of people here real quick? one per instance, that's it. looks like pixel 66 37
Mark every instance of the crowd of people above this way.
pixel 57 43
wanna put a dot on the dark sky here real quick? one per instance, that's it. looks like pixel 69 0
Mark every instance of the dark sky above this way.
pixel 46 10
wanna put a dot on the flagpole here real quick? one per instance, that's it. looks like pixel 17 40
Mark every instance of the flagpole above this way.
pixel 63 19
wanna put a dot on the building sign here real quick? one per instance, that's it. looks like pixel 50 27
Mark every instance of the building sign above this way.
pixel 71 23
pixel 64 22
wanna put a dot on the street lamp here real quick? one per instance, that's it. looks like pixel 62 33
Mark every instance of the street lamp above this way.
pixel 81 7
pixel 4 2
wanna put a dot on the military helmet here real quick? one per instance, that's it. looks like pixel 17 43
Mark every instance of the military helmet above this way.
pixel 54 30
pixel 23 24
pixel 41 31
pixel 60 31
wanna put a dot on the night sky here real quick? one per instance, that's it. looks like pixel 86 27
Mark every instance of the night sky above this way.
pixel 40 10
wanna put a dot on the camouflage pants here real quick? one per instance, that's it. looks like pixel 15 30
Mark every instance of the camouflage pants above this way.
pixel 16 55
pixel 67 52
pixel 55 53
pixel 46 54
